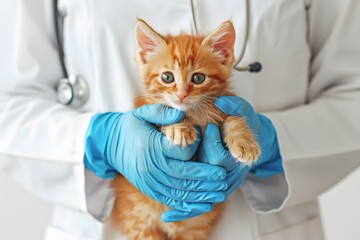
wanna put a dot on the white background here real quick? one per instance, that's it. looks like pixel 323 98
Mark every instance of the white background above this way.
pixel 23 216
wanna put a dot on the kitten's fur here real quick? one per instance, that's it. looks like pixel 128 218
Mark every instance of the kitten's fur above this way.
pixel 136 215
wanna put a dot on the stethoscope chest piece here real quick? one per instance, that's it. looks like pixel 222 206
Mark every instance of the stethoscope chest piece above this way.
pixel 72 91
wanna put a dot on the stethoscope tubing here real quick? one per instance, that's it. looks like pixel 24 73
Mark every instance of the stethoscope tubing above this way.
pixel 58 39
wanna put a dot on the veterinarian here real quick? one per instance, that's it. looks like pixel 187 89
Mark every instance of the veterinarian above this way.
pixel 65 142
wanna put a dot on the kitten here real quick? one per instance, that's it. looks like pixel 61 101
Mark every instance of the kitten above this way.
pixel 184 72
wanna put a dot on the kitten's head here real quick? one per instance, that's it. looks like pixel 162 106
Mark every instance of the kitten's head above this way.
pixel 185 71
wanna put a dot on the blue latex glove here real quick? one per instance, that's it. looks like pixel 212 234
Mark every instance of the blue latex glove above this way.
pixel 130 144
pixel 212 149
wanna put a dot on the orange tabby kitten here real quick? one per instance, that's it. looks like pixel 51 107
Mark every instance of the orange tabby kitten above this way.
pixel 184 72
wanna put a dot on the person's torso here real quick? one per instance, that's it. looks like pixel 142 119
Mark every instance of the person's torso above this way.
pixel 99 42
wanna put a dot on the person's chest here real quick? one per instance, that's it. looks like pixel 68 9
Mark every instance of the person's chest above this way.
pixel 99 40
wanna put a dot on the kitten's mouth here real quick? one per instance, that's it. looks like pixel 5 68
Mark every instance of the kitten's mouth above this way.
pixel 174 102
pixel 182 106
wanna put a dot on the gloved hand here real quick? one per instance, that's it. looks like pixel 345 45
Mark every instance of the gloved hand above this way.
pixel 212 149
pixel 130 144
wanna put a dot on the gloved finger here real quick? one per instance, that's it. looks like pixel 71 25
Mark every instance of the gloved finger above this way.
pixel 183 206
pixel 191 185
pixel 176 215
pixel 189 196
pixel 236 177
pixel 213 151
pixel 233 106
pixel 192 170
pixel 158 114
pixel 172 150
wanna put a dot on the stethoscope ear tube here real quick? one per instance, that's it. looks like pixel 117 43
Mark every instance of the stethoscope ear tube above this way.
pixel 253 68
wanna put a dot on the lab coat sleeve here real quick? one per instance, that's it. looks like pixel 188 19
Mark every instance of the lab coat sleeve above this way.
pixel 41 141
pixel 319 141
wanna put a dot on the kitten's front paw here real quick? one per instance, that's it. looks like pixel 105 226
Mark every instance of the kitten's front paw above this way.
pixel 246 152
pixel 181 134
pixel 239 139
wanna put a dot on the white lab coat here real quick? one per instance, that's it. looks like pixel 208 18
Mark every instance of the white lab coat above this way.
pixel 309 87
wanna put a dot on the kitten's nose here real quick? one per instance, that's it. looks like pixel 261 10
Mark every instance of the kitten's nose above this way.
pixel 182 96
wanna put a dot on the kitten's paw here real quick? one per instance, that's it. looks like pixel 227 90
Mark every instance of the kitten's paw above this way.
pixel 246 152
pixel 181 134
pixel 240 141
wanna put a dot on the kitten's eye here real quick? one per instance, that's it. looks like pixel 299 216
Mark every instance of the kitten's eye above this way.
pixel 167 77
pixel 198 78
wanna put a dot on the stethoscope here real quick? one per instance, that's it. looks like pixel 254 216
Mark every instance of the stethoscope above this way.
pixel 73 90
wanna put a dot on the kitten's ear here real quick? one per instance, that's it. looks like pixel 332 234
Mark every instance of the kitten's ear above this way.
pixel 147 39
pixel 222 41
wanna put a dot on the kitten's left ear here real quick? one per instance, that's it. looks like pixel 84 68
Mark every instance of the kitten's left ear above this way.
pixel 147 39
pixel 222 41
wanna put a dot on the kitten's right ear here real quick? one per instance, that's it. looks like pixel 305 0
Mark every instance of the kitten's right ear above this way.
pixel 147 39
